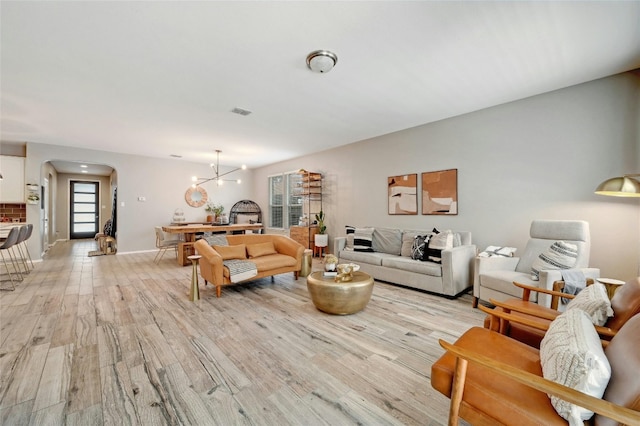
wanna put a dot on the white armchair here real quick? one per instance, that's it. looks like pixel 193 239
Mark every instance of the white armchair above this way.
pixel 494 276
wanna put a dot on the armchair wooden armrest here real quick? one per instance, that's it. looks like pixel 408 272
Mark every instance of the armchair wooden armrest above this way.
pixel 464 356
pixel 555 294
pixel 505 317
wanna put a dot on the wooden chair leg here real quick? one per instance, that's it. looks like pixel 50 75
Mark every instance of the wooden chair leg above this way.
pixel 218 290
pixel 459 377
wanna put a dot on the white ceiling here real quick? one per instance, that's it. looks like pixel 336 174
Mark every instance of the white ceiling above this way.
pixel 160 78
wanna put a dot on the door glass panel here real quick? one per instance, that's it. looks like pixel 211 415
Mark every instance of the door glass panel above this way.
pixel 84 208
pixel 84 198
pixel 83 227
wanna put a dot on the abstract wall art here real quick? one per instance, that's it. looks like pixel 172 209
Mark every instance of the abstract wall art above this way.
pixel 402 193
pixel 440 192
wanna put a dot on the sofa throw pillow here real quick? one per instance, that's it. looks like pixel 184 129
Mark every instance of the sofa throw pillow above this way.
pixel 231 252
pixel 594 301
pixel 407 243
pixel 261 249
pixel 217 240
pixel 349 231
pixel 387 240
pixel 561 255
pixel 439 241
pixel 418 247
pixel 571 354
pixel 363 239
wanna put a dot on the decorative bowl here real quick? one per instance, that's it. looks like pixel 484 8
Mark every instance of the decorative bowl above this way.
pixel 354 267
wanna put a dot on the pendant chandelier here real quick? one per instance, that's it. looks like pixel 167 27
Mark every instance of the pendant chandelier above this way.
pixel 218 177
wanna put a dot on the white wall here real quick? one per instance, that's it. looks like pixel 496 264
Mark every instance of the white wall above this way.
pixel 539 158
pixel 162 182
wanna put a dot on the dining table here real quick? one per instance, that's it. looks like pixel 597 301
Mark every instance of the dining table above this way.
pixel 189 231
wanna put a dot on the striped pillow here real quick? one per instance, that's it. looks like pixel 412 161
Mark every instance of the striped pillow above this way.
pixel 362 239
pixel 560 255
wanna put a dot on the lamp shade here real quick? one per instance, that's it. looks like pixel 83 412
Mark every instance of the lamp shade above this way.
pixel 622 186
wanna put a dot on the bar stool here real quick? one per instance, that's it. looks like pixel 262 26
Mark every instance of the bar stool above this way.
pixel 6 246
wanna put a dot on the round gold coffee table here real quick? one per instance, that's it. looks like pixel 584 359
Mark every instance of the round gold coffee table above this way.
pixel 340 298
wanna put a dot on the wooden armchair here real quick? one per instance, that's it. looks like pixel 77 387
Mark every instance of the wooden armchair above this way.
pixel 495 380
pixel 527 321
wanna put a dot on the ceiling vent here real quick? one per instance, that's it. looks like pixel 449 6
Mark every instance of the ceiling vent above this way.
pixel 240 111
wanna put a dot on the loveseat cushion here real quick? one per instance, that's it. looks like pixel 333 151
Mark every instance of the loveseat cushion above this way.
pixel 371 258
pixel 261 249
pixel 237 251
pixel 410 265
pixel 273 261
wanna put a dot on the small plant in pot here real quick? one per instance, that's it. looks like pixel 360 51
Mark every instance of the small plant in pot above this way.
pixel 214 210
pixel 330 263
pixel 321 238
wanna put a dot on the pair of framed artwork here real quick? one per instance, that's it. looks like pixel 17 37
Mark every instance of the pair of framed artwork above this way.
pixel 439 193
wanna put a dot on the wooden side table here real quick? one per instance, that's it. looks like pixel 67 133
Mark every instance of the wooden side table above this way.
pixel 611 285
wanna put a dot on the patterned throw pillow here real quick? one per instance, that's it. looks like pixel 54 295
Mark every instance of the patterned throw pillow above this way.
pixel 418 247
pixel 438 242
pixel 595 302
pixel 571 354
pixel 350 230
pixel 363 239
pixel 560 255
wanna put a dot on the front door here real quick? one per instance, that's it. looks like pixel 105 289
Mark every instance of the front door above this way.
pixel 83 215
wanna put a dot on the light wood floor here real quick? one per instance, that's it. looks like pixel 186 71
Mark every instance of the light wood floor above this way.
pixel 114 340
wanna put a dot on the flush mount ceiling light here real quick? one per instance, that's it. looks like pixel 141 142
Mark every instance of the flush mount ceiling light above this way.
pixel 321 61
pixel 218 177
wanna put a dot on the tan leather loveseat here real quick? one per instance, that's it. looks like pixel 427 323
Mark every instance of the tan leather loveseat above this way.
pixel 271 254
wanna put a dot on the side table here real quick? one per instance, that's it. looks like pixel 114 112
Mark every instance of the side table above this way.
pixel 611 285
pixel 194 291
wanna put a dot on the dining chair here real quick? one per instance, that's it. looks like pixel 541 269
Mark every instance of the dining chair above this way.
pixel 164 243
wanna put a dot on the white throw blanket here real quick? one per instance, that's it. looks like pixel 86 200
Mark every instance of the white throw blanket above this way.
pixel 240 270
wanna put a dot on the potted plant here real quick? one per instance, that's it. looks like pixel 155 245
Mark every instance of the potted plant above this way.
pixel 330 263
pixel 214 210
pixel 321 238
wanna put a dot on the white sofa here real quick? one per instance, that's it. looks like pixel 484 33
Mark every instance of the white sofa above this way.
pixel 451 278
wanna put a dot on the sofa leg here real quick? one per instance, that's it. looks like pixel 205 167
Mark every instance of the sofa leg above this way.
pixel 295 275
pixel 218 291
pixel 475 302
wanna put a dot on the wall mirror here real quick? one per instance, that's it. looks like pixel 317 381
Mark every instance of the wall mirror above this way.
pixel 196 197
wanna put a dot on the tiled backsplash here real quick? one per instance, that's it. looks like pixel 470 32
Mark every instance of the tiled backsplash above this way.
pixel 9 212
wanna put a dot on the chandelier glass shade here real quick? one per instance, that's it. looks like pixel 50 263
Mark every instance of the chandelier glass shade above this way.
pixel 218 178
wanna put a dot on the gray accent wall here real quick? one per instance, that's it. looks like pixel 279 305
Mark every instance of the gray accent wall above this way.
pixel 538 158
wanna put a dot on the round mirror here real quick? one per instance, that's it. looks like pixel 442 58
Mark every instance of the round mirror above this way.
pixel 196 197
